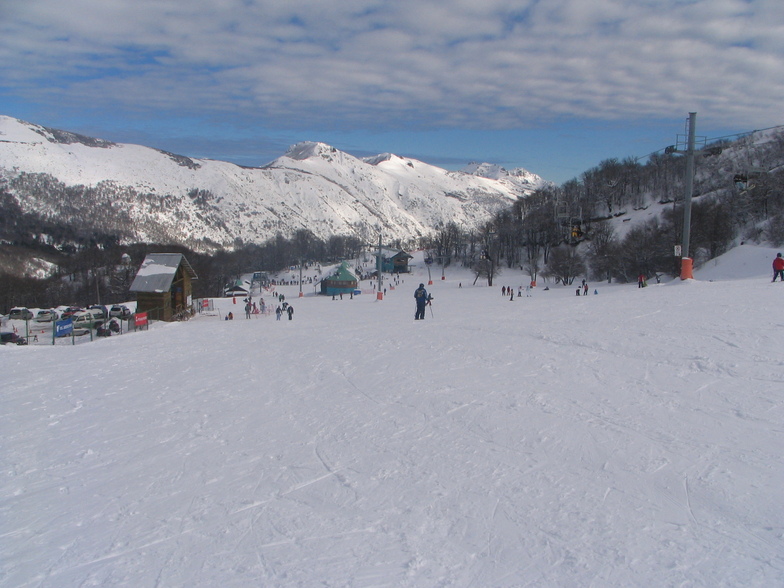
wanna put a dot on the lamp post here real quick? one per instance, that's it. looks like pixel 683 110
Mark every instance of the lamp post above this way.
pixel 301 264
pixel 380 292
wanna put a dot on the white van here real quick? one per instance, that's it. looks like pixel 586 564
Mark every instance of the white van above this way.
pixel 87 317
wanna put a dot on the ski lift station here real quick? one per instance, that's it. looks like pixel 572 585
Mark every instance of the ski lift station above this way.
pixel 393 261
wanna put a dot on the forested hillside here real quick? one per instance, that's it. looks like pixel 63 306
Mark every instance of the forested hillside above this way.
pixel 623 218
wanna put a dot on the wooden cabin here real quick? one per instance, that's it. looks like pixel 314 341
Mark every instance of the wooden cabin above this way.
pixel 394 261
pixel 399 262
pixel 163 285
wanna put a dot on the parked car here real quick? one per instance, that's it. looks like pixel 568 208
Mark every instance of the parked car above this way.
pixel 104 312
pixel 90 317
pixel 46 316
pixel 6 338
pixel 120 311
pixel 70 311
pixel 20 314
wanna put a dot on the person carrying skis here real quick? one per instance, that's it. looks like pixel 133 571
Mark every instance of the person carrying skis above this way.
pixel 778 267
pixel 422 299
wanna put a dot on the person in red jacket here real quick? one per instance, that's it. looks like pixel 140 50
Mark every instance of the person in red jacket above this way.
pixel 778 267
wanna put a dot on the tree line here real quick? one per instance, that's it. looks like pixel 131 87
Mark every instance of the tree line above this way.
pixel 564 232
pixel 98 269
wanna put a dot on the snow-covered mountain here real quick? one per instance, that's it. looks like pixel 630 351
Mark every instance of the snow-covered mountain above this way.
pixel 143 194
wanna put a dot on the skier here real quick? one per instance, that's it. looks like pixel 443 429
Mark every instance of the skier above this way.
pixel 778 267
pixel 290 311
pixel 422 299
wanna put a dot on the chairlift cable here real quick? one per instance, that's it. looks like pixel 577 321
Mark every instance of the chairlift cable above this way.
pixel 742 134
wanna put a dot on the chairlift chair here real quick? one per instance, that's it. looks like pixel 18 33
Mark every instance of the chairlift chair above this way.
pixel 745 180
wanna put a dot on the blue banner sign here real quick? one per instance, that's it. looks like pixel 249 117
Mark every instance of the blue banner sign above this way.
pixel 63 328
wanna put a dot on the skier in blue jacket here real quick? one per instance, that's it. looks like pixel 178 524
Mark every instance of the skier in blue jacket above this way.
pixel 422 299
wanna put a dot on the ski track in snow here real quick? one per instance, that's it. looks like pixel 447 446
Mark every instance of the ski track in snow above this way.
pixel 631 438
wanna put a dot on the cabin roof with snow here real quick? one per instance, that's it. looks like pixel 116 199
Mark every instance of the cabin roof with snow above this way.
pixel 342 274
pixel 158 270
pixel 237 288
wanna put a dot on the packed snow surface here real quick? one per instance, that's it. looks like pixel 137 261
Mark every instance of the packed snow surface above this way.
pixel 630 437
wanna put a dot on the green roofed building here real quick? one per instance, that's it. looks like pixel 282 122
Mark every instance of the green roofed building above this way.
pixel 341 281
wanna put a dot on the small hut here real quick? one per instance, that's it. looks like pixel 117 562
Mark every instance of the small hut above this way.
pixel 393 261
pixel 340 282
pixel 163 285
pixel 399 262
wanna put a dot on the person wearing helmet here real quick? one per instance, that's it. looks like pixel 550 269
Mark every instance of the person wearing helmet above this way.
pixel 422 298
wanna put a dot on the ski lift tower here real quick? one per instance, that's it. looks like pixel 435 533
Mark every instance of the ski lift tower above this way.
pixel 682 251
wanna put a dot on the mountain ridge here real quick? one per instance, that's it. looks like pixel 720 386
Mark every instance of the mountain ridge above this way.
pixel 142 193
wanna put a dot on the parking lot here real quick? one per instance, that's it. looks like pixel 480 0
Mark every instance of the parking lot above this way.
pixel 65 325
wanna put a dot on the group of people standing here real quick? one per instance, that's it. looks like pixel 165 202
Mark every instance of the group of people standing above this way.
pixel 284 308
pixel 509 291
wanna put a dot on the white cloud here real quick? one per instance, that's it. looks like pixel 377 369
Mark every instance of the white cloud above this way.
pixel 368 63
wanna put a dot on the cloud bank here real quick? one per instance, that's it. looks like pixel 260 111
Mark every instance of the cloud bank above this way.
pixel 406 64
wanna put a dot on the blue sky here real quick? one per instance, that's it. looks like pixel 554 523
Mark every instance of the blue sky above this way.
pixel 553 86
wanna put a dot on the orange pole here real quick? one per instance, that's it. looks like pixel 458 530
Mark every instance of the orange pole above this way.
pixel 686 268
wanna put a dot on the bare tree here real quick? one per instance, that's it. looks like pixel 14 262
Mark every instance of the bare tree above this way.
pixel 601 251
pixel 487 266
pixel 565 264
